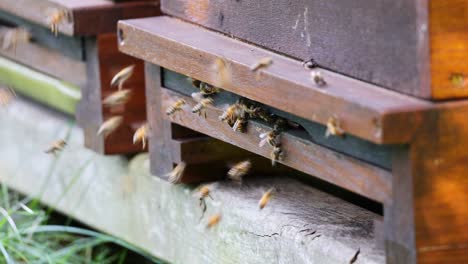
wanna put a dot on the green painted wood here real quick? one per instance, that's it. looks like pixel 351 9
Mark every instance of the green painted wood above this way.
pixel 120 197
pixel 379 155
pixel 42 88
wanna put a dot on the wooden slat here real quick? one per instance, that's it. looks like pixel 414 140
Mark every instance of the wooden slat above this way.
pixel 365 111
pixel 40 87
pixel 48 61
pixel 89 17
pixel 339 169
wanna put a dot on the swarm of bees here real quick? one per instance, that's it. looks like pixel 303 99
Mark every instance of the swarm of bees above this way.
pixel 56 146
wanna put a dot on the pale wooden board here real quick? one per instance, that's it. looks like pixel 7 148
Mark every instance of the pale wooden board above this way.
pixel 121 198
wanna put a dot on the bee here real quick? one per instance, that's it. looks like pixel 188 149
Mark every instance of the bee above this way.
pixel 110 125
pixel 213 220
pixel 262 63
pixel 56 146
pixel 318 79
pixel 6 96
pixel 208 89
pixel 276 155
pixel 223 74
pixel 240 125
pixel 176 174
pixel 202 193
pixel 141 135
pixel 122 76
pixel 269 137
pixel 177 106
pixel 310 64
pixel 117 98
pixel 265 198
pixel 198 108
pixel 55 19
pixel 13 37
pixel 231 114
pixel 239 170
pixel 334 128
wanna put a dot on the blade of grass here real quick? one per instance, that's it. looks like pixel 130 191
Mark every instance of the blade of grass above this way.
pixel 6 215
pixel 8 260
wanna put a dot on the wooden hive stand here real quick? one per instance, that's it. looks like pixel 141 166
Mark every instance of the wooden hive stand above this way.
pixel 406 153
pixel 80 56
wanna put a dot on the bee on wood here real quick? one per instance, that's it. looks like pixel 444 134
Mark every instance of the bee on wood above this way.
pixel 240 125
pixel 276 155
pixel 213 220
pixel 266 197
pixel 122 76
pixel 334 128
pixel 231 114
pixel 317 78
pixel 261 64
pixel 56 18
pixel 117 98
pixel 310 64
pixel 176 174
pixel 141 135
pixel 56 146
pixel 269 137
pixel 202 104
pixel 177 106
pixel 6 96
pixel 239 170
pixel 208 89
pixel 109 126
pixel 13 37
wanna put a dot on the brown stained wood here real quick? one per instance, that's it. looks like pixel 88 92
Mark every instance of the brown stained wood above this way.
pixel 430 190
pixel 449 48
pixel 48 61
pixel 339 169
pixel 364 110
pixel 104 61
pixel 89 17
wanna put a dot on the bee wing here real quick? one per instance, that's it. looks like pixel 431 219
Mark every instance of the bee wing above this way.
pixel 263 142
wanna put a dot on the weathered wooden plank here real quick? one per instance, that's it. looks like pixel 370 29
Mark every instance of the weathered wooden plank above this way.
pixel 364 110
pixel 42 88
pixel 103 62
pixel 300 154
pixel 123 199
pixel 380 155
pixel 414 47
pixel 45 60
pixel 87 17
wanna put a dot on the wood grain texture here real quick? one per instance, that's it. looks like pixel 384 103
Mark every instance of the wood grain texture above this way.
pixel 120 197
pixel 104 61
pixel 47 61
pixel 50 91
pixel 449 48
pixel 365 111
pixel 89 17
pixel 300 154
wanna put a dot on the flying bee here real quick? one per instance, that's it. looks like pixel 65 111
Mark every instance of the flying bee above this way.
pixel 318 79
pixel 240 125
pixel 261 64
pixel 56 18
pixel 117 98
pixel 13 37
pixel 239 170
pixel 122 76
pixel 177 106
pixel 109 126
pixel 141 135
pixel 270 137
pixel 334 128
pixel 198 108
pixel 213 220
pixel 223 75
pixel 201 194
pixel 176 174
pixel 276 155
pixel 6 96
pixel 266 197
pixel 56 146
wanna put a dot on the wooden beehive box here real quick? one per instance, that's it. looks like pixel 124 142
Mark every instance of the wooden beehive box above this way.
pixel 82 53
pixel 403 152
pixel 413 47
